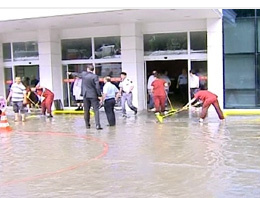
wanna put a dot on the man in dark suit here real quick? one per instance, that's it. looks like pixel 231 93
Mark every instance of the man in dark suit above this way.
pixel 90 90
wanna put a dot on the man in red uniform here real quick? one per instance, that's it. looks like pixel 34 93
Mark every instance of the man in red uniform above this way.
pixel 159 94
pixel 208 99
pixel 48 98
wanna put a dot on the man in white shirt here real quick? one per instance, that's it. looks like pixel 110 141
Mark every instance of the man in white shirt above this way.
pixel 149 88
pixel 126 86
pixel 194 82
pixel 18 95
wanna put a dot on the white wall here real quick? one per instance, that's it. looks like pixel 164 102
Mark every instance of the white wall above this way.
pixel 50 61
pixel 215 58
pixel 2 79
pixel 89 32
pixel 133 60
pixel 176 26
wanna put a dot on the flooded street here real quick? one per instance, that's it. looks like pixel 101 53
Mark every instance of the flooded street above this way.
pixel 139 157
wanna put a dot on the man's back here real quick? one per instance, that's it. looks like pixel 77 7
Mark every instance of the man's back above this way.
pixel 90 85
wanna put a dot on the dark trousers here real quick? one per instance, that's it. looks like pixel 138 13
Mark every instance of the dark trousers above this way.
pixel 184 92
pixel 109 105
pixel 94 102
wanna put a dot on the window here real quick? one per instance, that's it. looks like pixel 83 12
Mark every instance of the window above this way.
pixel 107 47
pixel 23 51
pixel 165 44
pixel 76 49
pixel 7 52
pixel 198 42
pixel 239 36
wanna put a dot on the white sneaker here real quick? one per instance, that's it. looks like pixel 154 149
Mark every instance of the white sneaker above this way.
pixel 201 120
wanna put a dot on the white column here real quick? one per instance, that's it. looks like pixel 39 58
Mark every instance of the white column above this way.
pixel 215 58
pixel 50 61
pixel 133 60
pixel 2 81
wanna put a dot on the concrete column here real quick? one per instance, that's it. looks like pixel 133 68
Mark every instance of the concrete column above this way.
pixel 133 60
pixel 2 77
pixel 215 58
pixel 50 64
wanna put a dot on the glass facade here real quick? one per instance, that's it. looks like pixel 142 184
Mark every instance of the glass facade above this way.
pixel 241 58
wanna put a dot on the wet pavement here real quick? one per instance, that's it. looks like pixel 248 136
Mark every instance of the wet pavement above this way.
pixel 139 157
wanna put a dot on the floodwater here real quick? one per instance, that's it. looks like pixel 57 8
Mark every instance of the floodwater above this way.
pixel 59 158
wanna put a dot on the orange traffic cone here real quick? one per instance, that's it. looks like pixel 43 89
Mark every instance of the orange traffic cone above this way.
pixel 4 125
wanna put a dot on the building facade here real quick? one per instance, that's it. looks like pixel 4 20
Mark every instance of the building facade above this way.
pixel 137 42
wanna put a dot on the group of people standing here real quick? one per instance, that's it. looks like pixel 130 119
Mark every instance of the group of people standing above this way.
pixel 93 96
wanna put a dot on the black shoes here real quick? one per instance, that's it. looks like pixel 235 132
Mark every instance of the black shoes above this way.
pixel 135 111
pixel 99 127
pixel 79 109
pixel 50 116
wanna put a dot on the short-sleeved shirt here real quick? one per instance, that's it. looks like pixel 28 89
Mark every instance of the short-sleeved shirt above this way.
pixel 159 87
pixel 126 85
pixel 110 90
pixel 18 91
pixel 150 81
pixel 204 95
pixel 194 81
pixel 183 79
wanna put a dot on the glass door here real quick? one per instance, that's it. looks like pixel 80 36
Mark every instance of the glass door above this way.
pixel 28 73
pixel 68 82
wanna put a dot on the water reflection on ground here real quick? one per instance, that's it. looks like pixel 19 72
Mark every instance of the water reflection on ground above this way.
pixel 138 158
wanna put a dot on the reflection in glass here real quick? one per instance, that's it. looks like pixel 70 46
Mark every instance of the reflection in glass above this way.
pixel 198 42
pixel 165 44
pixel 239 36
pixel 239 98
pixel 76 49
pixel 23 51
pixel 258 32
pixel 241 68
pixel 7 52
pixel 107 47
pixel 109 69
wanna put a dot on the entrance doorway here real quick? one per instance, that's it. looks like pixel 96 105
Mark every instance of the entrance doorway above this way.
pixel 174 69
pixel 28 73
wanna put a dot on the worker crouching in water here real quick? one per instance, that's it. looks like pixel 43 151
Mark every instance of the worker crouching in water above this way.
pixel 208 98
pixel 47 97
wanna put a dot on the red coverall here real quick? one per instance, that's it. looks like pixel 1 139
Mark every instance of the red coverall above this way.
pixel 48 99
pixel 208 98
pixel 159 95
